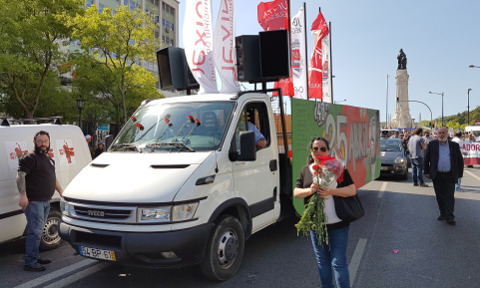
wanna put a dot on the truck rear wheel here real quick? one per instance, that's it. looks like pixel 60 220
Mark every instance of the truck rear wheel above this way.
pixel 224 249
pixel 50 237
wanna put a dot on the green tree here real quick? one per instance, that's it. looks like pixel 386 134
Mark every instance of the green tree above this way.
pixel 31 34
pixel 113 45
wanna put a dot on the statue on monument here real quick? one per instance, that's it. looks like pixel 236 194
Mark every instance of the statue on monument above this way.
pixel 402 60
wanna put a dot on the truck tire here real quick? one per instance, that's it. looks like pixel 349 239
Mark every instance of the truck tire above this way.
pixel 50 237
pixel 224 249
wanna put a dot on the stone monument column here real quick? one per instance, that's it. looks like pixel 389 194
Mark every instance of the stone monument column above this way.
pixel 402 118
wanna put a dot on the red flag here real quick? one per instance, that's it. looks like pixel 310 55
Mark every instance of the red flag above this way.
pixel 315 70
pixel 273 15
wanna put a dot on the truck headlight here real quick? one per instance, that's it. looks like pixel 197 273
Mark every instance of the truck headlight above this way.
pixel 166 214
pixel 184 212
pixel 64 206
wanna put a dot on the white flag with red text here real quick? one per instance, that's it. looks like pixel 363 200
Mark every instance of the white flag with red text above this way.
pixel 224 50
pixel 326 70
pixel 299 61
pixel 198 42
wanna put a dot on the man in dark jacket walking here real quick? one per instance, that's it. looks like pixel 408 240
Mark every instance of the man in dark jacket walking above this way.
pixel 444 165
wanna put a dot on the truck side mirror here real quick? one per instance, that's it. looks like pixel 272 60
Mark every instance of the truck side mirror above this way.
pixel 247 148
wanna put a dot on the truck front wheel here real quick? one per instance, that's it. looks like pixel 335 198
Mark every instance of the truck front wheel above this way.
pixel 50 237
pixel 224 249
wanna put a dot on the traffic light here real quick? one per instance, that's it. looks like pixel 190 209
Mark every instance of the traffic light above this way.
pixel 430 124
pixel 433 124
pixel 398 100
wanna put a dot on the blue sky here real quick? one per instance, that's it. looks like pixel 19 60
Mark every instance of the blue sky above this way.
pixel 440 38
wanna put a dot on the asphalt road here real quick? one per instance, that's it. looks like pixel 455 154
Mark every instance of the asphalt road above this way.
pixel 399 217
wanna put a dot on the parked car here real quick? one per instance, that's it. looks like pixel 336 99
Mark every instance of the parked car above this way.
pixel 394 158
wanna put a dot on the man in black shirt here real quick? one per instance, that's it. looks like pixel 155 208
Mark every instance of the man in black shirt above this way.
pixel 36 182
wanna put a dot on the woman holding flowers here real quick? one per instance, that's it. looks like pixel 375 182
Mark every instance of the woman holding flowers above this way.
pixel 328 233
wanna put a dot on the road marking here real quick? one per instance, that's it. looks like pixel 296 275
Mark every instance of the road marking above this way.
pixel 356 258
pixel 77 276
pixel 382 189
pixel 473 175
pixel 56 274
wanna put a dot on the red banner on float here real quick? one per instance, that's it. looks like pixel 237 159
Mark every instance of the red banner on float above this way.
pixel 315 80
pixel 273 15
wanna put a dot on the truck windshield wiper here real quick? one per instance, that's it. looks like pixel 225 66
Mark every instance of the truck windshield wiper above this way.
pixel 174 144
pixel 126 146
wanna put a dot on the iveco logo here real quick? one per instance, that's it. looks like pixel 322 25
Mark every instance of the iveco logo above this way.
pixel 96 213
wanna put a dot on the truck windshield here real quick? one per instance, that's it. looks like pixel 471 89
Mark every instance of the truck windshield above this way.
pixel 187 127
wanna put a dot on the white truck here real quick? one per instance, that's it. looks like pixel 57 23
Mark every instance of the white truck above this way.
pixel 183 184
pixel 71 154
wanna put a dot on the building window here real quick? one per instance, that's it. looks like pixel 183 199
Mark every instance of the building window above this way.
pixel 172 42
pixel 125 2
pixel 172 27
pixel 89 3
pixel 100 8
pixel 172 10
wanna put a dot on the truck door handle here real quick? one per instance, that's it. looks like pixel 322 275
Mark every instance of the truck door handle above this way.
pixel 273 165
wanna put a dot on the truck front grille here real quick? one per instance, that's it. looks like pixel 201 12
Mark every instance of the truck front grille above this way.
pixel 104 213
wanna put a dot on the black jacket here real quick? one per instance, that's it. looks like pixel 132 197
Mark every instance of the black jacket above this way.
pixel 431 159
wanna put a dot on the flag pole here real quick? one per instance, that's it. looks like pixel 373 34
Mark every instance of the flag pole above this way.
pixel 321 99
pixel 306 46
pixel 331 61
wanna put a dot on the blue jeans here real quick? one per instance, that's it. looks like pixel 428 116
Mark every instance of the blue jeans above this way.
pixel 417 170
pixel 334 255
pixel 36 213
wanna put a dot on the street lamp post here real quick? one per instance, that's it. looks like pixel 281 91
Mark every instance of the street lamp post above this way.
pixel 430 92
pixel 468 106
pixel 80 105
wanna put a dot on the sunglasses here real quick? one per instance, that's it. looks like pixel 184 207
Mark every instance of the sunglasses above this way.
pixel 323 149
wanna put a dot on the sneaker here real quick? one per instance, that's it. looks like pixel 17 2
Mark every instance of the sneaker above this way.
pixel 43 261
pixel 415 184
pixel 34 268
pixel 441 217
pixel 423 185
pixel 451 221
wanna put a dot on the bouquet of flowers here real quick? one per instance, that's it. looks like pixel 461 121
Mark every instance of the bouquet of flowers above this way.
pixel 326 172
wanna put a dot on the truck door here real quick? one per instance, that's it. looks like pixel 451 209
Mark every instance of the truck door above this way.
pixel 257 181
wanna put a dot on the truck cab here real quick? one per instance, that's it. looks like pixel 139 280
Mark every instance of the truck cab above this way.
pixel 182 184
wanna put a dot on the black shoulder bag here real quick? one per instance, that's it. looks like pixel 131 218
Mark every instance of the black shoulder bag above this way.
pixel 348 208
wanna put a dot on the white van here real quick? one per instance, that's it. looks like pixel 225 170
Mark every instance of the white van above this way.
pixel 475 130
pixel 70 151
